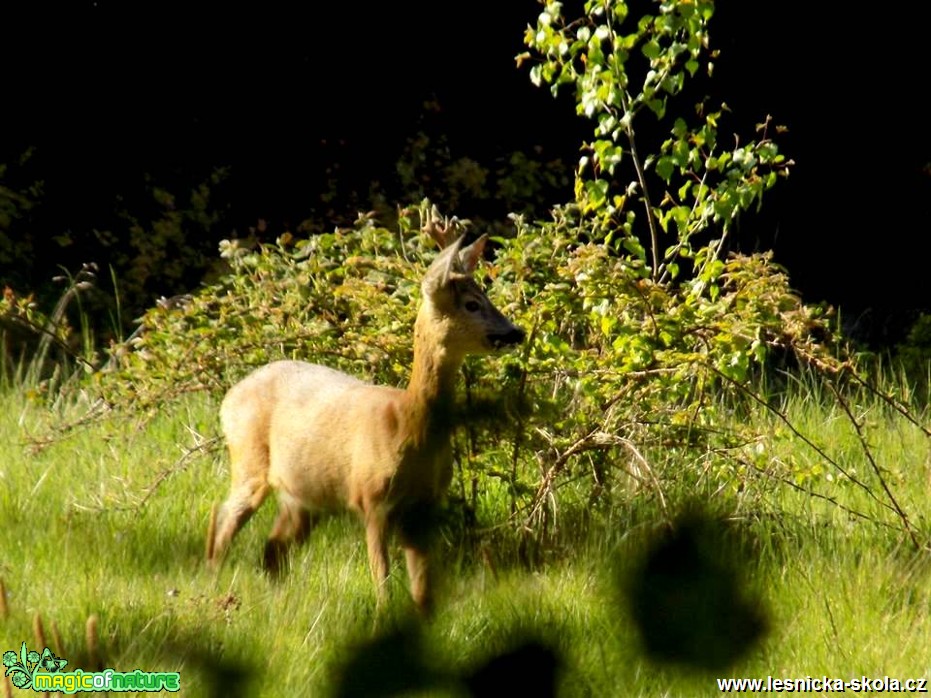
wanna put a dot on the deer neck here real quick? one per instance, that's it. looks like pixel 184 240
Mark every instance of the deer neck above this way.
pixel 430 394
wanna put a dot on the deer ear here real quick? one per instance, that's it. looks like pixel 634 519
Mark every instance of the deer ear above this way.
pixel 446 263
pixel 470 256
pixel 454 260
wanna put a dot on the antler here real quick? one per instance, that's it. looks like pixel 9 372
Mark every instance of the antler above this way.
pixel 445 231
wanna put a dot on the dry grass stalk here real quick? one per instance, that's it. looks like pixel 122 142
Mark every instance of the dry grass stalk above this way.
pixel 39 631
pixel 4 608
pixel 93 644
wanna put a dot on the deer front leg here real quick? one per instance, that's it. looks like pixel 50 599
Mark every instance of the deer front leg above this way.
pixel 417 529
pixel 418 572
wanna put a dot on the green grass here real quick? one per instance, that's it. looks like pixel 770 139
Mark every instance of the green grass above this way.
pixel 843 597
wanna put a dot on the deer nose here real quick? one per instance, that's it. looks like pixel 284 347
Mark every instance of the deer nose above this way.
pixel 513 336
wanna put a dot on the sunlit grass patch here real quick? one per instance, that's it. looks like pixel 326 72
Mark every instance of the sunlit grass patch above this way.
pixel 110 522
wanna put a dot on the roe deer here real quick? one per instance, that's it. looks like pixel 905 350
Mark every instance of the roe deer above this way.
pixel 325 440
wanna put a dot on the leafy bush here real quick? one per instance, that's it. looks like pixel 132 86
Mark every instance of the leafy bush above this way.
pixel 346 298
pixel 614 361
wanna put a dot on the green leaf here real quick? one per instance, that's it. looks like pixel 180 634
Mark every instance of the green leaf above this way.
pixel 632 245
pixel 607 324
pixel 665 167
pixel 680 128
pixel 535 75
pixel 608 154
pixel 680 214
pixel 597 193
pixel 651 50
pixel 657 106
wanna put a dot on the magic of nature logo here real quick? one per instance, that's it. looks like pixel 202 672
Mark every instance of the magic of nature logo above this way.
pixel 29 669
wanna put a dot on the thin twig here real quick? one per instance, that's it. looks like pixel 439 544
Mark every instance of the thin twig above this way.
pixel 643 462
pixel 520 425
pixel 594 440
pixel 816 495
pixel 876 469
pixel 641 178
pixel 178 466
pixel 806 440
pixel 888 399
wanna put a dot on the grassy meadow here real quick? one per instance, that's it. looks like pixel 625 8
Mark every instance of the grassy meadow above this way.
pixel 109 522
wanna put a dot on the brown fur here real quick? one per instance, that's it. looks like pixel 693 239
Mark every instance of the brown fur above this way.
pixel 324 440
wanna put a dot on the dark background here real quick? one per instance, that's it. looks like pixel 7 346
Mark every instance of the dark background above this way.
pixel 108 93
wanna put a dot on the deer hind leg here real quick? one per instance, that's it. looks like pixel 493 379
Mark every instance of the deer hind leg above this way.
pixel 292 525
pixel 376 538
pixel 248 491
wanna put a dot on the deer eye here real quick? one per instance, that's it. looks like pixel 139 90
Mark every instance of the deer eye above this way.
pixel 472 306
